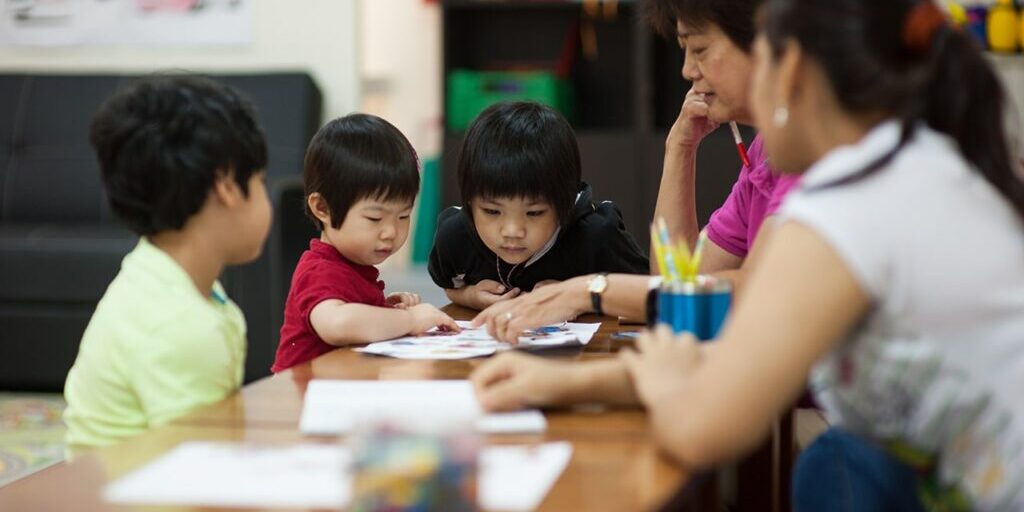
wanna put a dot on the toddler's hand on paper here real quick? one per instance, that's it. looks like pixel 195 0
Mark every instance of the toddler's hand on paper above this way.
pixel 486 293
pixel 661 362
pixel 425 317
pixel 512 381
pixel 403 300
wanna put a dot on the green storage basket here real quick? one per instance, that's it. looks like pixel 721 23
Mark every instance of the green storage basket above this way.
pixel 470 92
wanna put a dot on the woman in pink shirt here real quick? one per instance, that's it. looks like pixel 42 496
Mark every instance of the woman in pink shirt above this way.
pixel 716 37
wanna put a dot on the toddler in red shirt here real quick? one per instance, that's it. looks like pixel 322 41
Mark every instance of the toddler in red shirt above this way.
pixel 361 179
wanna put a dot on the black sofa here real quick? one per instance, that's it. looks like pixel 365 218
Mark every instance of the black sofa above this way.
pixel 60 245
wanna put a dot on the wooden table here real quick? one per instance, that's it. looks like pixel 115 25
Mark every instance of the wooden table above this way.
pixel 615 465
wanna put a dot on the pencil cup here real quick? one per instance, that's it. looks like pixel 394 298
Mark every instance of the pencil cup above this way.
pixel 698 308
pixel 396 469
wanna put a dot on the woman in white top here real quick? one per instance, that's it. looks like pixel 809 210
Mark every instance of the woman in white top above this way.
pixel 895 281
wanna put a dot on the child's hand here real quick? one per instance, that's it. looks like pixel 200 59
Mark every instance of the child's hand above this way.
pixel 545 282
pixel 485 293
pixel 425 317
pixel 403 300
pixel 661 362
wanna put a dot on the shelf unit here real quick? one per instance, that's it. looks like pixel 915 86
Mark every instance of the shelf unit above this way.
pixel 626 98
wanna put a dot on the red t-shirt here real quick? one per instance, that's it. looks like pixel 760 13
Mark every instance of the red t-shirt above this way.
pixel 322 274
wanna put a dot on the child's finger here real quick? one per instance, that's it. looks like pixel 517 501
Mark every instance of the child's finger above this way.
pixel 448 323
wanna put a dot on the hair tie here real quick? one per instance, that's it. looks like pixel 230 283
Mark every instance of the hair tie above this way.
pixel 922 22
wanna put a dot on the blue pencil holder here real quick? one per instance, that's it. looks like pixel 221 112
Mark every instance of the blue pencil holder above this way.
pixel 698 308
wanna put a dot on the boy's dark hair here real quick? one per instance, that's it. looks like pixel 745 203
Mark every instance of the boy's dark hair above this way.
pixel 356 157
pixel 523 150
pixel 903 58
pixel 736 18
pixel 163 141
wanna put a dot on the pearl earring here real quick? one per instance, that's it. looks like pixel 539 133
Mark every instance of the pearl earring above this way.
pixel 781 117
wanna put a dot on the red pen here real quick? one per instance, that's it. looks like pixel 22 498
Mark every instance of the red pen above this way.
pixel 740 147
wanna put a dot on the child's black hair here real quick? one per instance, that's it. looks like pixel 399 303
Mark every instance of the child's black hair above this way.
pixel 163 141
pixel 356 157
pixel 521 150
pixel 904 59
pixel 736 18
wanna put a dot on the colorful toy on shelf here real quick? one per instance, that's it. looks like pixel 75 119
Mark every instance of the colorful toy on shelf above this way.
pixel 1003 27
pixel 1020 31
pixel 976 26
pixel 957 13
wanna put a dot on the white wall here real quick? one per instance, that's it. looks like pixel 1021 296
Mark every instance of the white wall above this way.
pixel 401 67
pixel 400 44
pixel 317 36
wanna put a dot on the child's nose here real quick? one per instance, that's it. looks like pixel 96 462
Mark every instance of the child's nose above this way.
pixel 388 232
pixel 513 230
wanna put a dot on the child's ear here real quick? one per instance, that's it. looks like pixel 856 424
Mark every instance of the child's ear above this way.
pixel 226 190
pixel 318 205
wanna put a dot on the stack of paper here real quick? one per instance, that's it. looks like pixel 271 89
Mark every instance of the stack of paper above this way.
pixel 317 476
pixel 476 342
pixel 332 407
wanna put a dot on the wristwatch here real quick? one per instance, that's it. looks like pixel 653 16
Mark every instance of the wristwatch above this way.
pixel 596 286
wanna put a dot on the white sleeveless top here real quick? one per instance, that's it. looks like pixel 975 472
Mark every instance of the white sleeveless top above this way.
pixel 938 363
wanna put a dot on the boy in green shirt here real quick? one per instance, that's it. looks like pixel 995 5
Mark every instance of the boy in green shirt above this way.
pixel 183 162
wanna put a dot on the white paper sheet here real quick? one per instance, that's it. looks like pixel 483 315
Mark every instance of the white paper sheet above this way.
pixel 317 476
pixel 333 407
pixel 241 475
pixel 519 477
pixel 472 342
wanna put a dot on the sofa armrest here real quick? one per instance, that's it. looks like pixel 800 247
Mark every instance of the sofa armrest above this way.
pixel 289 235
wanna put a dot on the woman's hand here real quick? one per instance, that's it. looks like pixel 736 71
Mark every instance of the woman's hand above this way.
pixel 403 300
pixel 513 381
pixel 693 123
pixel 551 304
pixel 661 363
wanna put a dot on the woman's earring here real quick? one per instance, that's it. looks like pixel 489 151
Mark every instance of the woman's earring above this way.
pixel 781 116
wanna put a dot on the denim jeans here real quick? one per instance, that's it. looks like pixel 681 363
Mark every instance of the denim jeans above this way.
pixel 844 473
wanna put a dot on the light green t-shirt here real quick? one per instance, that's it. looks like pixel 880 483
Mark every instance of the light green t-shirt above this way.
pixel 154 349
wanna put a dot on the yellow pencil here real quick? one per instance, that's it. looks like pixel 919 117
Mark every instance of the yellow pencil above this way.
pixel 684 251
pixel 671 262
pixel 698 254
pixel 659 254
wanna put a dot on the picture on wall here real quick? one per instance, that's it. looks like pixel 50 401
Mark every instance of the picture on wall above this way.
pixel 73 23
